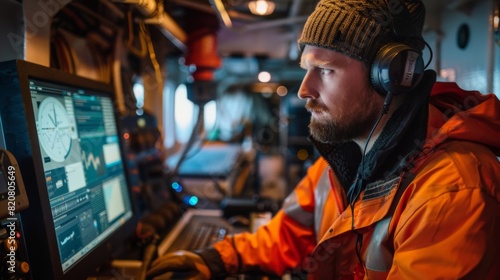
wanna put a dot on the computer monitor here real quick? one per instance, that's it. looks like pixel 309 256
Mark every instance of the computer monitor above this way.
pixel 63 130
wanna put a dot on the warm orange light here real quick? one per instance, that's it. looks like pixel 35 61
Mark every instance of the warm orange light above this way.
pixel 281 90
pixel 302 154
pixel 261 7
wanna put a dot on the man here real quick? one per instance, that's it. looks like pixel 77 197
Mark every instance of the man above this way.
pixel 408 185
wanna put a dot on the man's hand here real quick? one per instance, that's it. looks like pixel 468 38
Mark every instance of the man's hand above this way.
pixel 179 265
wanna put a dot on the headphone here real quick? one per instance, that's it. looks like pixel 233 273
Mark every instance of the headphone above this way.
pixel 398 66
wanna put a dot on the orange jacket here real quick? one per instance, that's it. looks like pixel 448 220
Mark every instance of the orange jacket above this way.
pixel 445 223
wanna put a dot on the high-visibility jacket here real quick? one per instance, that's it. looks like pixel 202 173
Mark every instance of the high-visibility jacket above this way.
pixel 444 223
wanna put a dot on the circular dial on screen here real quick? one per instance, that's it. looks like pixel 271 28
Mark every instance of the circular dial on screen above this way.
pixel 54 130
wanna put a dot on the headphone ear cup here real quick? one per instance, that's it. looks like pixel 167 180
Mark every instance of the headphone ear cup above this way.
pixel 397 68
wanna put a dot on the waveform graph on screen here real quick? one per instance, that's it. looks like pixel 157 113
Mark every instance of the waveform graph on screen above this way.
pixel 93 158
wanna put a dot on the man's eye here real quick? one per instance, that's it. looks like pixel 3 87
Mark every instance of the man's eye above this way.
pixel 325 71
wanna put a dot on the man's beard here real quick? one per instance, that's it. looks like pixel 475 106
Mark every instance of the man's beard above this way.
pixel 344 128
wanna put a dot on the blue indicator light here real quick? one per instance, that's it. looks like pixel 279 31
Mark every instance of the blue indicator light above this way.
pixel 176 187
pixel 193 200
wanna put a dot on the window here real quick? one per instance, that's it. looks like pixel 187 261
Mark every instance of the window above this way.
pixel 138 90
pixel 186 112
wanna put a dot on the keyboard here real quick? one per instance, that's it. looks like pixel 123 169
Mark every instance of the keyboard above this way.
pixel 207 235
pixel 197 229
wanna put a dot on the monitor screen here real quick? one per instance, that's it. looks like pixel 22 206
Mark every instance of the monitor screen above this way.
pixel 82 164
pixel 80 200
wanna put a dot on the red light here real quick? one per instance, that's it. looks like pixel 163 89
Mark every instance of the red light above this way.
pixel 126 136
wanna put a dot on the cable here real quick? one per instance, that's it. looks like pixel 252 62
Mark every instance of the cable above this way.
pixel 192 138
pixel 152 57
pixel 130 40
pixel 148 256
pixel 354 192
pixel 430 54
pixel 352 195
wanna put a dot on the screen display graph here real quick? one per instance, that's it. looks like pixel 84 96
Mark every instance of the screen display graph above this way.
pixel 82 164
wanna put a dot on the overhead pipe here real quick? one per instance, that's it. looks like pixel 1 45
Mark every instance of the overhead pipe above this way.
pixel 222 14
pixel 167 25
pixel 209 10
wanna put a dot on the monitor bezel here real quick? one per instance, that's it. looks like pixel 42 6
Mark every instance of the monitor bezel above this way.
pixel 38 217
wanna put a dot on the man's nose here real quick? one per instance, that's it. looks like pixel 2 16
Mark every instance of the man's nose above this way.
pixel 306 90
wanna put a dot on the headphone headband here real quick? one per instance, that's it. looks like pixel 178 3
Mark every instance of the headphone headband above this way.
pixel 403 27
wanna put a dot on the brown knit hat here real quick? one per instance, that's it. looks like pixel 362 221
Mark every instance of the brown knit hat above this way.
pixel 357 28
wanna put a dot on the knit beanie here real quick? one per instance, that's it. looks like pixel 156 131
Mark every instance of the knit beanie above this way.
pixel 357 28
